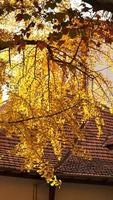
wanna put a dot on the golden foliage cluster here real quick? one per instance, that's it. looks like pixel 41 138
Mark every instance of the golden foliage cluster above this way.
pixel 51 82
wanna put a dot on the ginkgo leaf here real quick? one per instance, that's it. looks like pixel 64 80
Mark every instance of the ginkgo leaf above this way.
pixel 51 63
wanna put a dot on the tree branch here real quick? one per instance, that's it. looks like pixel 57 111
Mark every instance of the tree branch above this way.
pixel 41 117
pixel 13 43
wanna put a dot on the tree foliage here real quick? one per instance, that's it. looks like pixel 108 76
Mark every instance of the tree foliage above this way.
pixel 49 54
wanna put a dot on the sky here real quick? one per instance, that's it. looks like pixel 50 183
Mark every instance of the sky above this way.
pixel 75 3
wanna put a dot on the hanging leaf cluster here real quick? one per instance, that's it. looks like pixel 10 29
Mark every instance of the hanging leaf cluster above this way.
pixel 50 69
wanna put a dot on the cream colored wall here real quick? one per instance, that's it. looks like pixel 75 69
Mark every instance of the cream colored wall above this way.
pixel 21 189
pixel 84 192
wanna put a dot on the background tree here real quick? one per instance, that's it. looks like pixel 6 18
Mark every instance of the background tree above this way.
pixel 49 79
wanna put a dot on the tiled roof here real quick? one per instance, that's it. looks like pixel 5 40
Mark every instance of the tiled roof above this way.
pixel 100 165
pixel 109 142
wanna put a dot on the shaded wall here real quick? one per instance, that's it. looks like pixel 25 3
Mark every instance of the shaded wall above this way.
pixel 71 191
pixel 22 189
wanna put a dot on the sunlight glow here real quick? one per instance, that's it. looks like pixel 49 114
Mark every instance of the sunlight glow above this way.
pixel 4 92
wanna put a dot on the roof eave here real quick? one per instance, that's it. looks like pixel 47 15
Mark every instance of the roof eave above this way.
pixel 81 179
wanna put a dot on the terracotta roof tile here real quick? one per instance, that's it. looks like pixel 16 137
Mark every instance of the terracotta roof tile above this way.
pixel 101 163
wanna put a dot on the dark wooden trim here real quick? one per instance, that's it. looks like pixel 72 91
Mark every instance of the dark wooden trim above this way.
pixel 89 180
pixel 19 174
pixel 51 192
